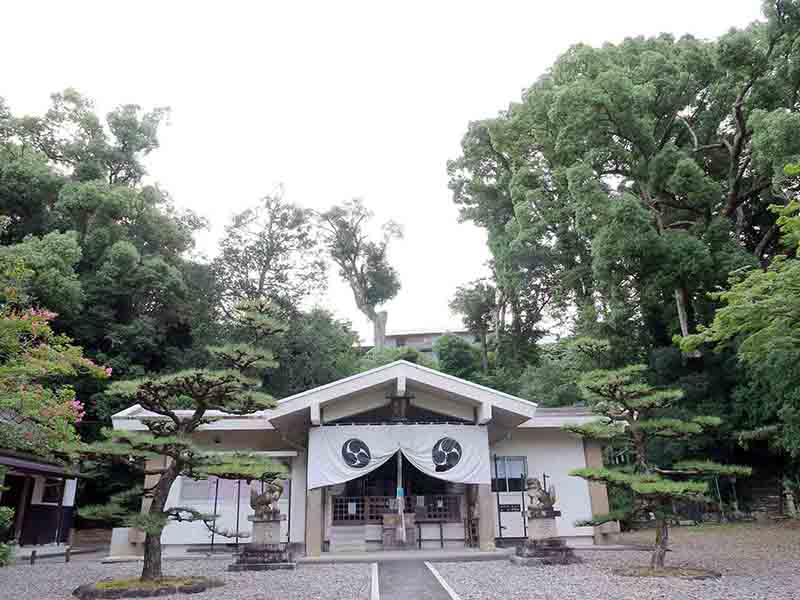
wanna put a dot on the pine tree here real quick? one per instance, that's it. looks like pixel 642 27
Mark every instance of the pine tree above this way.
pixel 234 388
pixel 634 415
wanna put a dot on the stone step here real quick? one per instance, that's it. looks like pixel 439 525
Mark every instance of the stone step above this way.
pixel 348 538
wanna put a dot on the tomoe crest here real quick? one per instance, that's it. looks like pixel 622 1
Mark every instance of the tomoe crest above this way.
pixel 356 453
pixel 446 454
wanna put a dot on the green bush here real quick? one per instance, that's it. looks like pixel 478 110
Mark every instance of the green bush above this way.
pixel 6 554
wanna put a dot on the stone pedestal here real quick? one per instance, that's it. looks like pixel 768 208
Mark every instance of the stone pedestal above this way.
pixel 543 546
pixel 265 551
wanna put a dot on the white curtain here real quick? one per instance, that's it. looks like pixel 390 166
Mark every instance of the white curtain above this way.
pixel 458 453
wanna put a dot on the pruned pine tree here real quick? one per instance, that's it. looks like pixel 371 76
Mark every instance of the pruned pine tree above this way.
pixel 166 450
pixel 633 414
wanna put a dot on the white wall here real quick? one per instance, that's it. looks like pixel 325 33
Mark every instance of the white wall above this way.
pixel 554 452
pixel 298 517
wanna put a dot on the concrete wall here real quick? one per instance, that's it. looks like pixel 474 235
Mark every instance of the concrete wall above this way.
pixel 554 452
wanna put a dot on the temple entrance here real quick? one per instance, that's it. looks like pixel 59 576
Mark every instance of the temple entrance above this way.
pixel 383 482
pixel 435 512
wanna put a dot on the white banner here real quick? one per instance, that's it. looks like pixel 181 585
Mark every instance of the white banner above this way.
pixel 457 453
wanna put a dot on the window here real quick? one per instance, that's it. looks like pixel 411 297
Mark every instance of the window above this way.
pixel 509 473
pixel 196 489
pixel 53 491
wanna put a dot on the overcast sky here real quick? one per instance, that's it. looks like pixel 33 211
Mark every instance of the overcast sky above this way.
pixel 333 99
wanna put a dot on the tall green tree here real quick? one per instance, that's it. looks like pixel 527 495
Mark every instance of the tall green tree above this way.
pixel 635 176
pixel 636 414
pixel 271 251
pixel 130 300
pixel 363 262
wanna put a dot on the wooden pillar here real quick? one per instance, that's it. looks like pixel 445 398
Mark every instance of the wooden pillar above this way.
pixel 315 524
pixel 22 505
pixel 486 517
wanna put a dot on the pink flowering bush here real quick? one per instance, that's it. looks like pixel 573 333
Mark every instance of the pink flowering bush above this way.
pixel 35 365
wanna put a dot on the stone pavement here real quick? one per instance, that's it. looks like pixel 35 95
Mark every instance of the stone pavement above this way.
pixel 407 580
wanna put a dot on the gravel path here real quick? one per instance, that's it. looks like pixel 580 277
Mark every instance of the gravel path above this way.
pixel 756 562
pixel 55 581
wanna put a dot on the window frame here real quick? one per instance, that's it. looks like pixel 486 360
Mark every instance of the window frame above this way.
pixel 496 459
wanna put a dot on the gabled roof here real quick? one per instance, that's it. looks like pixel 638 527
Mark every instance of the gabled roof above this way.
pixel 486 397
pixel 483 398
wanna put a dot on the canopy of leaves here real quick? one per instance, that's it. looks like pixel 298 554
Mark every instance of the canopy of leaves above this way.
pixel 363 262
pixel 456 356
pixel 271 251
pixel 316 349
pixel 377 357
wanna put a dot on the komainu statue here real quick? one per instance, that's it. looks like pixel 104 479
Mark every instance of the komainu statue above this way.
pixel 541 500
pixel 266 503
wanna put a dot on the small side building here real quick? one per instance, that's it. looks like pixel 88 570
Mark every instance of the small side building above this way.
pixel 42 495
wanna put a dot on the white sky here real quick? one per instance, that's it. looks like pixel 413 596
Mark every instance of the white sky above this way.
pixel 334 99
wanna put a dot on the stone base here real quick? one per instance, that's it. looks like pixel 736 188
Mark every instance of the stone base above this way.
pixel 263 557
pixel 551 551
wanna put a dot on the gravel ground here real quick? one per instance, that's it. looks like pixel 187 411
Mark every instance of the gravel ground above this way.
pixel 757 562
pixel 50 580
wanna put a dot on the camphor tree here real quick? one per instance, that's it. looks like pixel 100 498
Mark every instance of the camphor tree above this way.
pixel 363 263
pixel 634 414
pixel 234 388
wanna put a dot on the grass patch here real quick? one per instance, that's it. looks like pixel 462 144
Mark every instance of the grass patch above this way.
pixel 138 584
pixel 678 572
pixel 136 588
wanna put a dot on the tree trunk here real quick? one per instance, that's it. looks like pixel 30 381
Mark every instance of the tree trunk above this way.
pixel 151 569
pixel 680 300
pixel 379 328
pixel 661 545
pixel 484 353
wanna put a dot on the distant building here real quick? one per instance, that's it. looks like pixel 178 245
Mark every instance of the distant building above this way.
pixel 424 339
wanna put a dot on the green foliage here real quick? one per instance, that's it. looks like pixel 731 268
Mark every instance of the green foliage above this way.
pixel 6 554
pixel 316 349
pixel 625 185
pixel 553 381
pixel 760 320
pixel 6 521
pixel 377 357
pixel 458 357
pixel 363 262
pixel 634 416
pixel 42 271
pixel 477 305
pixel 38 406
pixel 181 403
pixel 271 251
